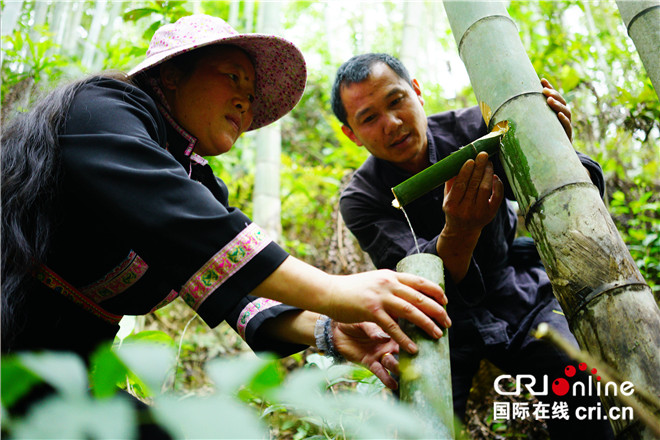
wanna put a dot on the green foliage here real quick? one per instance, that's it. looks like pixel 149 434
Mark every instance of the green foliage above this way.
pixel 159 12
pixel 309 193
pixel 69 411
pixel 27 64
pixel 247 392
pixel 638 218
pixel 17 380
pixel 616 118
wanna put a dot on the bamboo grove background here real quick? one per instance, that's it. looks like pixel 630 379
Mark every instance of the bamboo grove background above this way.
pixel 581 47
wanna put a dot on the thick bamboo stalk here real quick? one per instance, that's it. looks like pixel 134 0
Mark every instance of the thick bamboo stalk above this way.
pixel 609 307
pixel 438 173
pixel 642 19
pixel 425 381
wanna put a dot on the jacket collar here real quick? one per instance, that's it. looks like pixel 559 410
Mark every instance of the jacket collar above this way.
pixel 182 146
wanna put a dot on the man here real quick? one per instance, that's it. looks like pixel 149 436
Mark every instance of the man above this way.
pixel 497 288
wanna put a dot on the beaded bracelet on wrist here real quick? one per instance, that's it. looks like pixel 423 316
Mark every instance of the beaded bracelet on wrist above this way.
pixel 324 338
pixel 331 350
pixel 319 329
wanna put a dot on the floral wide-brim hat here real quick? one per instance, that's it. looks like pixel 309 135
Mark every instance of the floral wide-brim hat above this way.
pixel 281 72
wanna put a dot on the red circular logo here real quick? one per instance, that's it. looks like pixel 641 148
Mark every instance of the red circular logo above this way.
pixel 560 386
pixel 569 371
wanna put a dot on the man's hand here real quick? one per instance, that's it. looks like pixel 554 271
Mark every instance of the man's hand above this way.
pixel 558 104
pixel 473 196
pixel 366 344
pixel 471 201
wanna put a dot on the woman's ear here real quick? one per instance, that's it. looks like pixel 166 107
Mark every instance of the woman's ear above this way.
pixel 170 75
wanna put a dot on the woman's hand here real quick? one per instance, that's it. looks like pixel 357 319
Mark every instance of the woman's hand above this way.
pixel 383 296
pixel 366 344
pixel 379 296
pixel 362 343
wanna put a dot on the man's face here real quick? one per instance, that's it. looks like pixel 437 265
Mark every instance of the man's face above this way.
pixel 386 116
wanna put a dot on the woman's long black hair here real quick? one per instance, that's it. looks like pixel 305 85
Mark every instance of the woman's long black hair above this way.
pixel 31 173
pixel 30 179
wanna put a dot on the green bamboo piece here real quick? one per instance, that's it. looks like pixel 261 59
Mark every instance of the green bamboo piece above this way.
pixel 609 307
pixel 642 19
pixel 425 381
pixel 438 173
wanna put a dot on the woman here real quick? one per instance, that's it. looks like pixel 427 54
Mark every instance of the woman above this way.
pixel 108 208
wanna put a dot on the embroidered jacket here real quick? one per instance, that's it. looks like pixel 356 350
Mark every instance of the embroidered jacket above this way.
pixel 142 220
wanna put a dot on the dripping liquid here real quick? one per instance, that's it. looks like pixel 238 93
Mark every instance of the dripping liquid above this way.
pixel 411 229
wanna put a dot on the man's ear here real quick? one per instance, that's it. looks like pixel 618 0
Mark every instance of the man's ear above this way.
pixel 169 75
pixel 349 133
pixel 418 90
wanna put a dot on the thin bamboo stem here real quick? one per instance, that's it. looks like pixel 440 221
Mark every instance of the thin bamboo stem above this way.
pixel 547 333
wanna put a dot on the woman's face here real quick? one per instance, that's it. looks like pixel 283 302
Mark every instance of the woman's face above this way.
pixel 214 102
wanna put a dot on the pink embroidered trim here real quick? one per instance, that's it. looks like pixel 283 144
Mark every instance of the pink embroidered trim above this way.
pixel 231 258
pixel 53 281
pixel 199 159
pixel 168 299
pixel 251 310
pixel 120 278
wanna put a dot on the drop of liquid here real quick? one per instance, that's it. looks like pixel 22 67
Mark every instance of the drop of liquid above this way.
pixel 411 229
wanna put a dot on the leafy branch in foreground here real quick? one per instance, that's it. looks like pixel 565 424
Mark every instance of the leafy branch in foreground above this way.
pixel 87 404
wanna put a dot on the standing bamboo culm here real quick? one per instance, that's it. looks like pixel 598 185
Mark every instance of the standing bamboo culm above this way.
pixel 642 20
pixel 266 202
pixel 609 307
pixel 425 381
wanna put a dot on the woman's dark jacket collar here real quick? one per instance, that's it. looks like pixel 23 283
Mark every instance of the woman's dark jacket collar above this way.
pixel 183 145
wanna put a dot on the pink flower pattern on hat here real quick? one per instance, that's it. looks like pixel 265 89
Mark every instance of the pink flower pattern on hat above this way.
pixel 279 64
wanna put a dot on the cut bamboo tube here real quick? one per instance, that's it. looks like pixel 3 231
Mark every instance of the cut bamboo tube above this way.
pixel 438 173
pixel 425 381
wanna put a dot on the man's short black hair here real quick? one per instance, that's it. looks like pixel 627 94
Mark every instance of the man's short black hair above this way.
pixel 356 70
